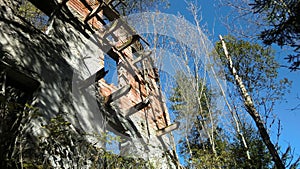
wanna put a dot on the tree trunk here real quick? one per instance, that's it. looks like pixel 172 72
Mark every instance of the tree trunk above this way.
pixel 252 110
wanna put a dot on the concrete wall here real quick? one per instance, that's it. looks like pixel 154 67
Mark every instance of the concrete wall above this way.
pixel 58 62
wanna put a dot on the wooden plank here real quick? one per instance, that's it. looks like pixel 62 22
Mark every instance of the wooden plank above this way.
pixel 142 55
pixel 128 42
pixel 110 13
pixel 167 129
pixel 93 78
pixel 143 104
pixel 94 12
pixel 128 66
pixel 106 47
pixel 91 9
pixel 116 24
pixel 118 94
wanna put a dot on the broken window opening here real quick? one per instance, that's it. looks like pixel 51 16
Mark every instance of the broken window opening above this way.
pixel 33 15
pixel 112 75
pixel 112 142
pixel 16 91
pixel 105 19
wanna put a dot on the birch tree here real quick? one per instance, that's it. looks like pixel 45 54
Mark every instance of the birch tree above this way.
pixel 250 108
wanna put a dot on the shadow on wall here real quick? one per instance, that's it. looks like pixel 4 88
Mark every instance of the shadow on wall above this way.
pixel 24 46
pixel 50 58
pixel 49 61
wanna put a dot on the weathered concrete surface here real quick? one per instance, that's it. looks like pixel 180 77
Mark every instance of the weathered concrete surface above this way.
pixel 55 61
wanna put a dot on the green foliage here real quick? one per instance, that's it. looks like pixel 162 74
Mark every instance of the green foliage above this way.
pixel 282 17
pixel 258 68
pixel 260 157
pixel 255 64
pixel 33 15
pixel 203 155
pixel 229 151
pixel 13 113
pixel 196 147
pixel 185 98
pixel 58 145
pixel 62 146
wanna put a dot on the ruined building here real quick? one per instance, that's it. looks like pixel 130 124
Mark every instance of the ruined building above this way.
pixel 60 73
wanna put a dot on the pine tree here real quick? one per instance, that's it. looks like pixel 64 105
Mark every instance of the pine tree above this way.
pixel 283 18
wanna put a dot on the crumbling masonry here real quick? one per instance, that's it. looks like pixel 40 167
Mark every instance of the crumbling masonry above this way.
pixel 63 71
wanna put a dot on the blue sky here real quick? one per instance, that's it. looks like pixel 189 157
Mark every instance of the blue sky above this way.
pixel 289 119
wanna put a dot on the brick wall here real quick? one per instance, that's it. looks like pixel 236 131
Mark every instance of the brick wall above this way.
pixel 146 85
pixel 143 79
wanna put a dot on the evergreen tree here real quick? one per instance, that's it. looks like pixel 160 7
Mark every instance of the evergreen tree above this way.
pixel 283 19
pixel 197 148
pixel 257 69
pixel 260 157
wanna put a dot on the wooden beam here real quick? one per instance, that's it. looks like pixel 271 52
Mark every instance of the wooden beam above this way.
pixel 93 78
pixel 129 67
pixel 137 107
pixel 110 13
pixel 128 42
pixel 142 55
pixel 167 129
pixel 116 24
pixel 91 9
pixel 118 94
pixel 94 12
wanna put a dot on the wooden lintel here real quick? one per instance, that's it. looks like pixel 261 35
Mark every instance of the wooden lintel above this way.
pixel 167 129
pixel 94 12
pixel 118 94
pixel 137 107
pixel 142 55
pixel 18 75
pixel 128 42
pixel 93 78
pixel 129 67
pixel 120 2
pixel 91 9
pixel 110 3
pixel 110 13
pixel 111 29
pixel 113 55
